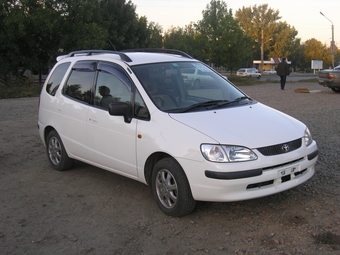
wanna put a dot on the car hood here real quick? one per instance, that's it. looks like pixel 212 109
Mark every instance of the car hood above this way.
pixel 252 126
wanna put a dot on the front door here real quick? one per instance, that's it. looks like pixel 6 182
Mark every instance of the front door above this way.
pixel 111 141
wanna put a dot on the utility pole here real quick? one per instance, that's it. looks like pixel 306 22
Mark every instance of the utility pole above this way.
pixel 262 38
pixel 332 42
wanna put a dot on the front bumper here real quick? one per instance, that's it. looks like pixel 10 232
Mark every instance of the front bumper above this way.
pixel 241 182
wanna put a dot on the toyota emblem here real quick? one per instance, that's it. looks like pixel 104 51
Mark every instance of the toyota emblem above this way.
pixel 285 148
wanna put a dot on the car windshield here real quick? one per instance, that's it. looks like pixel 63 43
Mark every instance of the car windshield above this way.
pixel 178 87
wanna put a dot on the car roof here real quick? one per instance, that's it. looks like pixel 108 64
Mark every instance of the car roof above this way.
pixel 144 57
pixel 131 57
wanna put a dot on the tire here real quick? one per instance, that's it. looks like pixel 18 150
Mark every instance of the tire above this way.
pixel 56 153
pixel 336 90
pixel 171 188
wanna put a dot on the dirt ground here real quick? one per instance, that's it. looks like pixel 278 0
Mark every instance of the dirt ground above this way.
pixel 87 210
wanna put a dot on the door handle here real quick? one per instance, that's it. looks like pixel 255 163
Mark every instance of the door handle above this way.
pixel 93 120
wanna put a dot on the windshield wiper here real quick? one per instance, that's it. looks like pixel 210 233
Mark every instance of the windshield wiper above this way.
pixel 213 104
pixel 242 98
pixel 235 101
pixel 207 105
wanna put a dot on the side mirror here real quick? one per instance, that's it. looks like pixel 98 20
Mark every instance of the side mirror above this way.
pixel 120 109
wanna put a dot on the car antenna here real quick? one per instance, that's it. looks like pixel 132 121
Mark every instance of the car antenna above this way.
pixel 112 44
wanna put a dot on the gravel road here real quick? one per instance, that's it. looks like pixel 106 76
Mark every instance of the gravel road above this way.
pixel 87 210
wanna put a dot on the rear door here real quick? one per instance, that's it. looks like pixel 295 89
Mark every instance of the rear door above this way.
pixel 72 109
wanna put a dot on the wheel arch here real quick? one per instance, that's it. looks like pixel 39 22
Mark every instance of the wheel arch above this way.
pixel 47 130
pixel 336 89
pixel 151 162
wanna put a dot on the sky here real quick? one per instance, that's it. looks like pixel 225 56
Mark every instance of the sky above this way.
pixel 303 15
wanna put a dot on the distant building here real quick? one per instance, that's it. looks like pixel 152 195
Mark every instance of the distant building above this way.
pixel 268 64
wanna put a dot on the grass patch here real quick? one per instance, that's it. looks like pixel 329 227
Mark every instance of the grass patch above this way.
pixel 20 88
pixel 309 80
pixel 243 81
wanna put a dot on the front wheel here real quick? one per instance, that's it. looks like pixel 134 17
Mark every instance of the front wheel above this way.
pixel 56 152
pixel 171 188
pixel 336 90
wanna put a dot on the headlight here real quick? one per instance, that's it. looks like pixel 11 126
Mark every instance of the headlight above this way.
pixel 308 137
pixel 227 153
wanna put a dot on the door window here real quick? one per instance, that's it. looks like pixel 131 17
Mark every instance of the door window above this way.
pixel 112 86
pixel 80 82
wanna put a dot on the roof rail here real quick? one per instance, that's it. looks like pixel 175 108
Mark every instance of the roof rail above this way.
pixel 159 50
pixel 91 52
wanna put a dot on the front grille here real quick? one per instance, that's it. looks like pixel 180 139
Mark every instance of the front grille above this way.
pixel 280 148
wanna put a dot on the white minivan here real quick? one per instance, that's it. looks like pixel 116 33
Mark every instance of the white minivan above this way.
pixel 131 113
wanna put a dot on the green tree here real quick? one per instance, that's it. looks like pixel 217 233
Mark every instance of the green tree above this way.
pixel 28 35
pixel 336 56
pixel 285 43
pixel 125 29
pixel 11 19
pixel 34 32
pixel 80 26
pixel 297 59
pixel 279 38
pixel 185 39
pixel 315 50
pixel 328 56
pixel 253 20
pixel 226 44
pixel 149 34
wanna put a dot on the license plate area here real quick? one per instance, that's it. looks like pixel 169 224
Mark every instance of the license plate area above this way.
pixel 288 173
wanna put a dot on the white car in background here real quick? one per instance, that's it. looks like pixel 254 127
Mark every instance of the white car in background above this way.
pixel 248 72
pixel 271 71
pixel 197 78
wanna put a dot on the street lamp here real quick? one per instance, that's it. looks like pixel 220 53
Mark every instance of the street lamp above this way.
pixel 332 42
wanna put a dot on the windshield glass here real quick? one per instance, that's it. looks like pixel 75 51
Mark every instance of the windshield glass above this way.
pixel 187 86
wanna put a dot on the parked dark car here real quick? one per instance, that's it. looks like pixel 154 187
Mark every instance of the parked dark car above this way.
pixel 330 78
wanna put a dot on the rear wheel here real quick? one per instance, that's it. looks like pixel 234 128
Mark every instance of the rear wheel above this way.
pixel 171 188
pixel 336 90
pixel 56 152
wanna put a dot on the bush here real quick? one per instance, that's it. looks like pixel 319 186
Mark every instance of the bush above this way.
pixel 244 81
pixel 20 87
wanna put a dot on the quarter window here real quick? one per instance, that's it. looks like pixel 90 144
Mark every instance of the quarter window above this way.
pixel 56 77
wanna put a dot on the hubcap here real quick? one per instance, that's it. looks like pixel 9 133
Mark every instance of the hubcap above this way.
pixel 166 188
pixel 54 150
